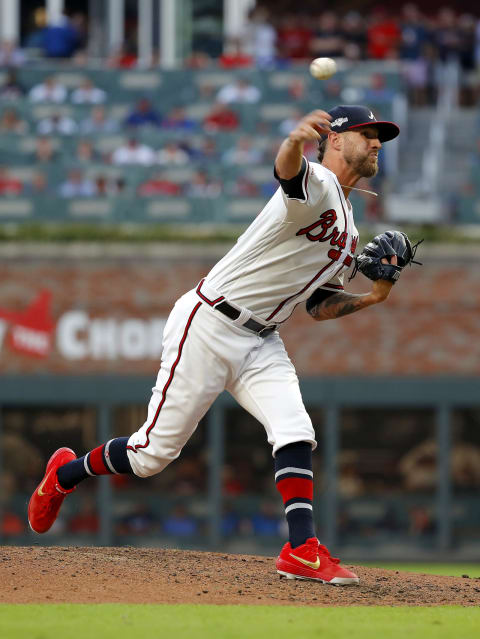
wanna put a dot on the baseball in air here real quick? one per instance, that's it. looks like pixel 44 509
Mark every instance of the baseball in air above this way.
pixel 323 68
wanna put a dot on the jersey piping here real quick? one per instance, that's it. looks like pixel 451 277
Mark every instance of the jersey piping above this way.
pixel 169 381
pixel 289 299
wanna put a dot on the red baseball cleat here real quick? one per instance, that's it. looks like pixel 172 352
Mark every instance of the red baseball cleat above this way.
pixel 45 502
pixel 311 560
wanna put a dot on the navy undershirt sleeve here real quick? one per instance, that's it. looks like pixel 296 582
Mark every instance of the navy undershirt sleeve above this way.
pixel 294 186
pixel 317 297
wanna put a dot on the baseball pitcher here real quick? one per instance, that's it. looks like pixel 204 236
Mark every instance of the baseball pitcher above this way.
pixel 224 333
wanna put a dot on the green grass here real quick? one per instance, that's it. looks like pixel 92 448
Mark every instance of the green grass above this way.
pixel 194 233
pixel 453 570
pixel 116 621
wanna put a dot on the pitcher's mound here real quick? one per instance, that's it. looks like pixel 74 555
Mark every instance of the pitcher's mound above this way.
pixel 139 575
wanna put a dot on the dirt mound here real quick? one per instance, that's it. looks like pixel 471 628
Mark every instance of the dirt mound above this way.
pixel 139 575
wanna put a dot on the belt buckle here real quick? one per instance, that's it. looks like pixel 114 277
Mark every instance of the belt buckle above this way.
pixel 266 330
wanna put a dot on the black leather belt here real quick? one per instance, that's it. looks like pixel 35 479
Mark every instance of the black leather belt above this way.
pixel 233 313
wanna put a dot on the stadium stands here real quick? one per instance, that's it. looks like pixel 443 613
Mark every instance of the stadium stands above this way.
pixel 58 128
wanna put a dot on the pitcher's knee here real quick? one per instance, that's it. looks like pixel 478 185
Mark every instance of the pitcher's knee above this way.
pixel 146 463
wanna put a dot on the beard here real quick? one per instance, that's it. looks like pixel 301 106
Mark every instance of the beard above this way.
pixel 363 165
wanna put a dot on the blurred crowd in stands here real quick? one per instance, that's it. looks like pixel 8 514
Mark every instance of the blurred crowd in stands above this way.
pixel 70 121
pixel 185 150
pixel 385 487
pixel 276 36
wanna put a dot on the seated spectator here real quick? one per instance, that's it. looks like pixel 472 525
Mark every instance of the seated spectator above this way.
pixel 62 38
pixel 98 122
pixel 243 153
pixel 328 40
pixel 206 150
pixel 172 155
pixel 234 55
pixel 11 122
pixel 10 54
pixel 9 185
pixel 44 151
pixel 378 92
pixel 413 32
pixel 180 524
pixel 197 60
pixel 354 36
pixel 102 187
pixel 446 35
pixel 34 39
pixel 87 93
pixel 232 484
pixel 244 187
pixel 466 26
pixel 57 123
pixel 421 522
pixel 11 524
pixel 38 185
pixel 220 118
pixel 293 37
pixel 177 120
pixel 85 153
pixel 419 465
pixel 159 185
pixel 124 58
pixel 76 185
pixel 203 186
pixel 259 38
pixel 333 90
pixel 266 523
pixel 189 476
pixel 108 186
pixel 134 153
pixel 140 521
pixel 350 482
pixel 143 114
pixel 11 89
pixel 383 35
pixel 269 188
pixel 118 185
pixel 239 91
pixel 231 522
pixel 286 126
pixel 48 91
pixel 86 519
pixel 297 88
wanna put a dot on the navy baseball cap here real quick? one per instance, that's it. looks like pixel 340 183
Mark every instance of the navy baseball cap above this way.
pixel 347 117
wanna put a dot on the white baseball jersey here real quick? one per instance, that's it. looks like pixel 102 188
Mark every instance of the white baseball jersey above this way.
pixel 302 240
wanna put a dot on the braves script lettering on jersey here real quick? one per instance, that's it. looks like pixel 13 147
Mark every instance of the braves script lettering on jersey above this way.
pixel 302 240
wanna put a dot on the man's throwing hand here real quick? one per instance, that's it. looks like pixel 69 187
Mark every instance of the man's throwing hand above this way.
pixel 311 127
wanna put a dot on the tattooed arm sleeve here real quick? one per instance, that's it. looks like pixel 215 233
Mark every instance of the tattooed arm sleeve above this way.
pixel 323 305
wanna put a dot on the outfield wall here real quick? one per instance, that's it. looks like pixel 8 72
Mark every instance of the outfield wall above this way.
pixel 102 310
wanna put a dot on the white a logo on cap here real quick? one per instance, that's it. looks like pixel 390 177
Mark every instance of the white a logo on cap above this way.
pixel 371 116
pixel 339 121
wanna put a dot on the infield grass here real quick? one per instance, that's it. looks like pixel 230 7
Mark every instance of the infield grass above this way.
pixel 452 570
pixel 117 621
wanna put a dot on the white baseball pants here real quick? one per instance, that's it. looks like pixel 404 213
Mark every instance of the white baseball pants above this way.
pixel 205 353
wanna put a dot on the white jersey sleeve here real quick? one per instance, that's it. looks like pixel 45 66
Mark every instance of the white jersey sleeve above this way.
pixel 335 284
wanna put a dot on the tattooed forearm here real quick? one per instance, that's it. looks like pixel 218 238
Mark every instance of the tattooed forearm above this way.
pixel 338 305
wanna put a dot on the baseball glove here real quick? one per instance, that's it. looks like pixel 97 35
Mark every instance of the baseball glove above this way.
pixel 385 245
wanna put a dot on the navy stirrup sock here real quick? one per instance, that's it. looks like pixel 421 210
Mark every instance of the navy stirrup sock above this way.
pixel 294 480
pixel 108 459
